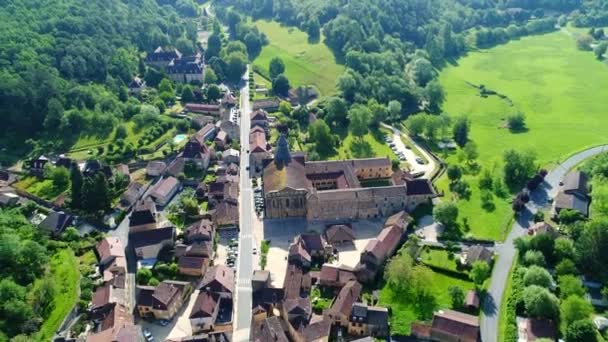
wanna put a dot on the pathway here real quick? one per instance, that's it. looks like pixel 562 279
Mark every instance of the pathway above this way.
pixel 506 251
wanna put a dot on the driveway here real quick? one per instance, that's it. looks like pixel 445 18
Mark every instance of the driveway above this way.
pixel 179 326
pixel 428 229
pixel 427 168
pixel 506 251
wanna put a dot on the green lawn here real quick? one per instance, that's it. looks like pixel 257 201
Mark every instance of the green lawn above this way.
pixel 64 272
pixel 439 258
pixel 305 63
pixel 406 310
pixel 372 145
pixel 41 188
pixel 559 89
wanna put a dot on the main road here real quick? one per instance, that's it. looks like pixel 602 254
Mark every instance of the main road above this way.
pixel 506 251
pixel 244 269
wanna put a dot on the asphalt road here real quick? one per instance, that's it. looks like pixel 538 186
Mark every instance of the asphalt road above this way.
pixel 411 156
pixel 244 265
pixel 506 251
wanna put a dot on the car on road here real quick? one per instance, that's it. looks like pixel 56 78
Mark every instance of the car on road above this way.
pixel 391 144
pixel 408 147
pixel 402 158
pixel 163 322
pixel 419 160
pixel 148 335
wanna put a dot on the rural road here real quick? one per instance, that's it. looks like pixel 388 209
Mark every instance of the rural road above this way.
pixel 411 156
pixel 243 300
pixel 506 251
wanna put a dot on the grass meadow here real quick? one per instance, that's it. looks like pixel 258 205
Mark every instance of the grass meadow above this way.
pixel 559 89
pixel 305 63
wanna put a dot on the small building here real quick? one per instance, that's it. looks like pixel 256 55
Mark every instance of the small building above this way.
pixel 339 234
pixel 202 230
pixel 149 243
pixel 573 195
pixel 543 228
pixel 136 86
pixel 231 156
pixel 269 329
pixel 226 214
pixel 333 276
pixel 162 301
pixel 164 190
pixel 37 165
pixel 218 278
pixel 195 266
pixel 155 168
pixel 298 255
pixel 269 105
pixel 144 216
pixel 221 140
pixel 8 199
pixel 108 249
pixel 315 244
pixel 260 280
pixel 131 195
pixel 341 308
pixel 368 320
pixel 203 108
pixel 56 222
pixel 454 326
pixel 471 300
pixel 476 253
pixel 94 166
pixel 211 312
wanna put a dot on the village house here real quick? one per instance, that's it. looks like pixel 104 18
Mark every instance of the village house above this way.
pixel 315 244
pixel 161 58
pixel 202 230
pixel 56 222
pixel 221 139
pixel 368 320
pixel 339 234
pixel 298 255
pixel 334 276
pixel 117 325
pixel 543 228
pixel 268 105
pixel 37 165
pixel 476 253
pixel 228 100
pixel 155 168
pixel 130 196
pixel 163 191
pixel 194 266
pixel 149 243
pixel 573 194
pixel 218 278
pixel 259 149
pixel 136 86
pixel 105 298
pixel 341 307
pixel 211 312
pixel 231 156
pixel 232 129
pixel 226 214
pixel 162 301
pixel 454 326
pixel 143 216
pixel 203 108
pixel 260 280
pixel 268 329
pixel 259 118
pixel 111 254
pixel 296 283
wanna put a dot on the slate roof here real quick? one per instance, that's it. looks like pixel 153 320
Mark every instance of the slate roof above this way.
pixel 572 201
pixel 575 181
pixel 151 237
pixel 56 222
pixel 477 253
pixel 144 212
pixel 372 315
pixel 164 187
pixel 419 187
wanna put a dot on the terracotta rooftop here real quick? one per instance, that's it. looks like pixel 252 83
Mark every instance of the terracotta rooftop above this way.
pixel 205 304
pixel 339 233
pixel 219 276
pixel 348 295
pixel 456 325
pixel 109 247
pixel 164 187
pixel 268 330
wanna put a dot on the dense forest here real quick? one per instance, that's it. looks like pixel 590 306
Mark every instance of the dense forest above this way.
pixel 393 48
pixel 64 64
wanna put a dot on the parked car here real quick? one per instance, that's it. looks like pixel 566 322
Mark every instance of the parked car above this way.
pixel 419 160
pixel 148 335
pixel 163 322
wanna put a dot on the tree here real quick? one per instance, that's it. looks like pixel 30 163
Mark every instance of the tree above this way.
pixel 187 94
pixel 480 272
pixel 416 124
pixel 540 303
pixel 422 71
pixel 214 46
pixel 485 180
pixel 533 257
pixel 600 50
pixel 236 64
pixel 516 122
pixel 320 133
pixel 280 85
pixel 96 194
pixel 70 234
pixel 166 86
pixel 253 43
pixel 379 112
pixel 210 76
pixel 536 275
pixel 470 151
pixel 569 216
pixel 454 173
pixel 446 213
pixel 276 67
pixel 77 183
pixel 460 130
pixel 564 248
pixel 581 331
pixel 360 119
pixel 565 266
pixel 435 95
pixel 518 167
pixel 213 93
pixel 592 249
pixel 570 285
pixel 285 108
pixel 60 176
pixel 583 42
pixel 143 276
pixel 394 110
pixel 399 271
pixel 457 296
pixel 336 111
pixel 575 308
pixel 347 85
pixel 54 114
pixel 313 29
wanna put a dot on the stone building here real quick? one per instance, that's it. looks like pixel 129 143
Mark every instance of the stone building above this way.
pixel 318 191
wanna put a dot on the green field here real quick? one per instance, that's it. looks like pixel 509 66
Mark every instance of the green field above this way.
pixel 440 258
pixel 558 88
pixel 305 63
pixel 406 309
pixel 372 145
pixel 64 273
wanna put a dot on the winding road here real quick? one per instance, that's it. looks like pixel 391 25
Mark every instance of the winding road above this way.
pixel 506 251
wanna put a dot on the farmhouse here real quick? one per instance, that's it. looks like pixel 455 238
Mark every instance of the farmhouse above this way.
pixel 144 216
pixel 295 187
pixel 573 195
pixel 474 254
pixel 454 326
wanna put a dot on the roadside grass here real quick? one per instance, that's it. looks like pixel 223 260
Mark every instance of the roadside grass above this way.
pixel 262 81
pixel 305 63
pixel 65 275
pixel 504 308
pixel 407 309
pixel 542 76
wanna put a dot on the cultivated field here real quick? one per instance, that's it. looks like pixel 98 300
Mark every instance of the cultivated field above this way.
pixel 305 63
pixel 558 88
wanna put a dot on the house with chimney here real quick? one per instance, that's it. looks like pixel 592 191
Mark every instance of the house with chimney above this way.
pixel 117 325
pixel 573 194
pixel 143 216
pixel 211 312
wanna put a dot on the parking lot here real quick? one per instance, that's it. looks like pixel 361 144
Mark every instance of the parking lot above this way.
pixel 179 326
pixel 227 247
